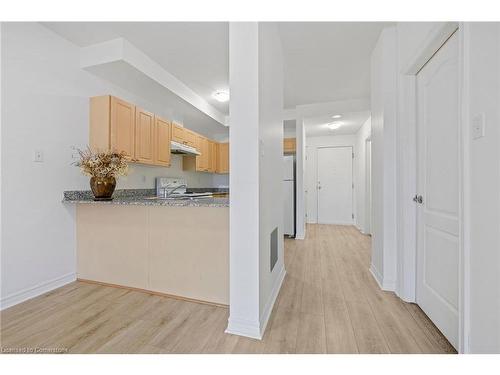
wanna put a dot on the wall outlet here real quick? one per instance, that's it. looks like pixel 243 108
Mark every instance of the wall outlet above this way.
pixel 38 156
pixel 478 126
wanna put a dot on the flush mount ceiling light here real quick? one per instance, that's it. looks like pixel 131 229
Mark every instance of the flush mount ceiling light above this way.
pixel 335 125
pixel 336 116
pixel 221 96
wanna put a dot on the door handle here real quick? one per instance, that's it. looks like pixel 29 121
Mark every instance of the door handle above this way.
pixel 418 199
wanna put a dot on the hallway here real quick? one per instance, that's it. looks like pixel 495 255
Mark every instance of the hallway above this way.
pixel 329 303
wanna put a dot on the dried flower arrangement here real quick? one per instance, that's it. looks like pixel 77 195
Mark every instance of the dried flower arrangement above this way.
pixel 102 163
pixel 102 167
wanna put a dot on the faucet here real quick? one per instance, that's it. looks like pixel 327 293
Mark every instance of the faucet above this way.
pixel 167 193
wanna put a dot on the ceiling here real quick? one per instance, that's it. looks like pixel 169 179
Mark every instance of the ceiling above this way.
pixel 196 53
pixel 323 61
pixel 352 123
pixel 327 61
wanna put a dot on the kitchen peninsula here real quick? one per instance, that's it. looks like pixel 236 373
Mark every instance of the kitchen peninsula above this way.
pixel 172 247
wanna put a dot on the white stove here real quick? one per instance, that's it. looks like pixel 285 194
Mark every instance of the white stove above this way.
pixel 173 187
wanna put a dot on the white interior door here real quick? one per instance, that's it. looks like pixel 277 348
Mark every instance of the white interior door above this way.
pixel 439 188
pixel 335 185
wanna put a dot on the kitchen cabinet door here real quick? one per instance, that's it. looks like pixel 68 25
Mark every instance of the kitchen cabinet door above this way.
pixel 204 157
pixel 178 134
pixel 212 156
pixel 122 127
pixel 190 137
pixel 222 158
pixel 162 142
pixel 144 135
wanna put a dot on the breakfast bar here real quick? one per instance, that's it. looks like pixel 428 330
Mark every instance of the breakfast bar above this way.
pixel 177 247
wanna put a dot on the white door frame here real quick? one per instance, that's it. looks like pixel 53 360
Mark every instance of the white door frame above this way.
pixel 368 187
pixel 407 173
pixel 317 174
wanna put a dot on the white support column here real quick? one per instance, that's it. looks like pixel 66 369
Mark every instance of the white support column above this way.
pixel 244 179
pixel 256 162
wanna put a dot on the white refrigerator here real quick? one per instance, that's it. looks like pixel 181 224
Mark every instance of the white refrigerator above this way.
pixel 289 195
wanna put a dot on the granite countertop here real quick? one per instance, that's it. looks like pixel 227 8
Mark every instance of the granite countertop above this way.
pixel 142 197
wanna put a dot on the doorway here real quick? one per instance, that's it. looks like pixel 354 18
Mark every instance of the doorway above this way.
pixel 334 185
pixel 438 186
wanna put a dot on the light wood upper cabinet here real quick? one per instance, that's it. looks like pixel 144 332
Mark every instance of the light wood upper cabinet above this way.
pixel 118 125
pixel 123 127
pixel 289 146
pixel 112 125
pixel 202 160
pixel 178 133
pixel 197 163
pixel 212 156
pixel 222 158
pixel 162 142
pixel 144 135
pixel 183 135
pixel 145 138
pixel 190 137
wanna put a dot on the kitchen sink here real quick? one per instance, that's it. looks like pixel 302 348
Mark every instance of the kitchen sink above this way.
pixel 178 198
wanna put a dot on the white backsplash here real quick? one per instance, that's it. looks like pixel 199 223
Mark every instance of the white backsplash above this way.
pixel 143 176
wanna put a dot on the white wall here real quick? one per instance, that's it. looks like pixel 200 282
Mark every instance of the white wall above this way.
pixel 271 163
pixel 45 106
pixel 383 122
pixel 362 135
pixel 312 169
pixel 289 129
pixel 483 186
pixel 481 51
pixel 256 153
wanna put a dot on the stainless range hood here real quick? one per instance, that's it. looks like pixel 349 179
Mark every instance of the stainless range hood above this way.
pixel 179 148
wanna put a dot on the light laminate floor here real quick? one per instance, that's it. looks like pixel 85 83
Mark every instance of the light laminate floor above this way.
pixel 329 303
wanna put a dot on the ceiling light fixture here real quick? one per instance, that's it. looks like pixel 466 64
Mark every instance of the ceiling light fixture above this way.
pixel 221 96
pixel 335 125
pixel 336 116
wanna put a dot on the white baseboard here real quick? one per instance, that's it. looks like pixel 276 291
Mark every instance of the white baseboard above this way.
pixel 266 314
pixel 387 285
pixel 35 291
pixel 376 275
pixel 361 230
pixel 243 327
pixel 341 223
pixel 255 329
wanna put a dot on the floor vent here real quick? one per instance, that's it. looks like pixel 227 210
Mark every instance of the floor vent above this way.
pixel 274 247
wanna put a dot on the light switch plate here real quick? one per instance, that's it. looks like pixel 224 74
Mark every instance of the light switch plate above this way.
pixel 38 156
pixel 478 126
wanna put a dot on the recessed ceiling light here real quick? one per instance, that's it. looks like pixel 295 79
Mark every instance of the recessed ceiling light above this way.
pixel 335 125
pixel 336 116
pixel 221 96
